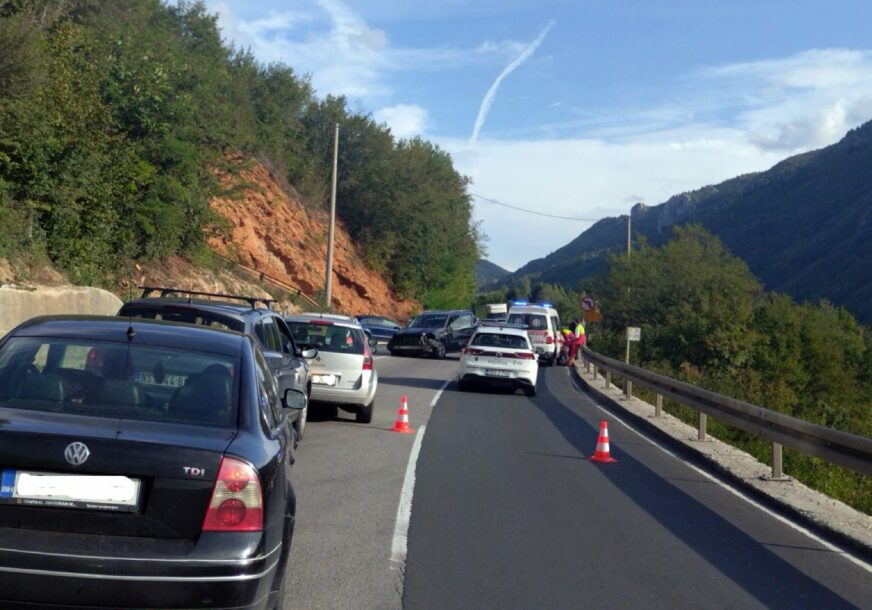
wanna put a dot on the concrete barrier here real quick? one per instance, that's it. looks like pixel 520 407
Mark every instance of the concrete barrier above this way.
pixel 18 304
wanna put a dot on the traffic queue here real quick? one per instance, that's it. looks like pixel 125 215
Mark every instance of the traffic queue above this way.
pixel 158 443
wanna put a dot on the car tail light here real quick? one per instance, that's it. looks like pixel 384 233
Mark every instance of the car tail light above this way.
pixel 525 355
pixel 237 501
pixel 549 340
pixel 472 351
pixel 367 358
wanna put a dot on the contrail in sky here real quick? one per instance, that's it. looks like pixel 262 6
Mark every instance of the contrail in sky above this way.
pixel 488 100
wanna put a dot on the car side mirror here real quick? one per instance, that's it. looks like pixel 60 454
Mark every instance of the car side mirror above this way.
pixel 294 399
pixel 309 353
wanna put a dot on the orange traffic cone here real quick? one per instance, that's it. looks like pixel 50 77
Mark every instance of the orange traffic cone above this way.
pixel 602 445
pixel 402 423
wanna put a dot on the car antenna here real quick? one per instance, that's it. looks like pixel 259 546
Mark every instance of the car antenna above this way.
pixel 131 332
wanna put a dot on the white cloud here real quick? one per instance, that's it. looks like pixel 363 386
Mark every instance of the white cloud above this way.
pixel 405 120
pixel 590 178
pixel 343 54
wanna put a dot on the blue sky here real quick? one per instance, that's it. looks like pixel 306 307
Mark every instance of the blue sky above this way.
pixel 599 105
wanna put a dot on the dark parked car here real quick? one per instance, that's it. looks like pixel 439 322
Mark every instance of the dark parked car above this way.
pixel 286 360
pixel 434 333
pixel 144 465
pixel 379 327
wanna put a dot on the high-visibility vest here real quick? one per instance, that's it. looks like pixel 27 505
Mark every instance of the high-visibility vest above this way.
pixel 579 330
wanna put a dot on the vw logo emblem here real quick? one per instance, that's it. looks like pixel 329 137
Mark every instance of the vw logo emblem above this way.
pixel 76 453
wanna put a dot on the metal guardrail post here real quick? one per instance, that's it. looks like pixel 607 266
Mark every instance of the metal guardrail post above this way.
pixel 703 421
pixel 628 389
pixel 777 462
pixel 608 379
pixel 586 365
pixel 595 372
pixel 658 406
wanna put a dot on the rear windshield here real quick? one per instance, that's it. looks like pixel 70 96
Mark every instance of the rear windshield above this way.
pixel 428 321
pixel 533 321
pixel 499 340
pixel 328 337
pixel 183 314
pixel 120 381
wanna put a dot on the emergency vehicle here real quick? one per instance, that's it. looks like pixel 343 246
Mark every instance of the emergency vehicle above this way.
pixel 543 328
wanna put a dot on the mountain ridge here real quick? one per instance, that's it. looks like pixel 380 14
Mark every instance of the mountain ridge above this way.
pixel 803 227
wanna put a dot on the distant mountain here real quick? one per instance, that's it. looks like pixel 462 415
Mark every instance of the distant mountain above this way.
pixel 804 227
pixel 487 272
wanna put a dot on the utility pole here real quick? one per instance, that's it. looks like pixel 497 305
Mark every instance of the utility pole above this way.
pixel 329 283
pixel 629 234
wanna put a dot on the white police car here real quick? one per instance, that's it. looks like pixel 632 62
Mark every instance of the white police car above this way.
pixel 499 355
pixel 543 328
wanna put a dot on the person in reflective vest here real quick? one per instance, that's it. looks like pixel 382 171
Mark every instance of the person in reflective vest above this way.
pixel 580 339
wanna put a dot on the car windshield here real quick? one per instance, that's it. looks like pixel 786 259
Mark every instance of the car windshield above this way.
pixel 122 381
pixel 183 314
pixel 500 340
pixel 428 321
pixel 328 337
pixel 531 320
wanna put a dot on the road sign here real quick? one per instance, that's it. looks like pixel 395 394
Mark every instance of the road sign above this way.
pixel 588 303
pixel 634 333
pixel 592 316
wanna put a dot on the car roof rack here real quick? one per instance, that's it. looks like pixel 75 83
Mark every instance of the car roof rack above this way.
pixel 165 292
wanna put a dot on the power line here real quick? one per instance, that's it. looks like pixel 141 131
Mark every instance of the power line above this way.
pixel 534 212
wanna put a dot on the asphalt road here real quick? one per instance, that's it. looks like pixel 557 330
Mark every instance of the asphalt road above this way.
pixel 508 513
pixel 348 478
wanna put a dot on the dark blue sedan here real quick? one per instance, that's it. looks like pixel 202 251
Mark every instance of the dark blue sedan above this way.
pixel 380 328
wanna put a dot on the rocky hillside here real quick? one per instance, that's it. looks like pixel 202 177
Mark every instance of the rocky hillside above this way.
pixel 803 227
pixel 273 233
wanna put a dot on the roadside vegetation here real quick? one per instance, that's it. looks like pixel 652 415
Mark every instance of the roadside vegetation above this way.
pixel 114 116
pixel 708 321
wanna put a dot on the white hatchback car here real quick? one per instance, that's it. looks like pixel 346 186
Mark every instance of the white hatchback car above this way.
pixel 342 373
pixel 499 355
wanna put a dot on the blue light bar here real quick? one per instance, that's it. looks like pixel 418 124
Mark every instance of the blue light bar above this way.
pixel 520 302
pixel 546 304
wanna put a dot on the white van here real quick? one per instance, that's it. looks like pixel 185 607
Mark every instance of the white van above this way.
pixel 543 328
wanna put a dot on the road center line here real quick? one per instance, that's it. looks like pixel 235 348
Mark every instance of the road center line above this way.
pixel 736 492
pixel 400 544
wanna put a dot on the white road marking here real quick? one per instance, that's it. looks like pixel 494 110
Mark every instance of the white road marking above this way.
pixel 439 393
pixel 799 528
pixel 399 547
pixel 400 544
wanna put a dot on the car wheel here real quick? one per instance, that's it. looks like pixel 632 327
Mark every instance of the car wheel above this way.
pixel 530 390
pixel 364 414
pixel 440 350
pixel 464 386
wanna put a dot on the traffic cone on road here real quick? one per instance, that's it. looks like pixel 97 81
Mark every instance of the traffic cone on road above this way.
pixel 402 423
pixel 602 445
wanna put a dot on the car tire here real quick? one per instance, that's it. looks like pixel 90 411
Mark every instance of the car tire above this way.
pixel 440 351
pixel 530 391
pixel 395 353
pixel 464 386
pixel 363 415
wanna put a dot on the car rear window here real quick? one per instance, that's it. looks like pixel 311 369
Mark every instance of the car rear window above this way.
pixel 124 381
pixel 328 337
pixel 500 340
pixel 183 314
pixel 532 320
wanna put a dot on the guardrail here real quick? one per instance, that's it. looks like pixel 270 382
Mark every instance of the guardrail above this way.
pixel 264 277
pixel 849 450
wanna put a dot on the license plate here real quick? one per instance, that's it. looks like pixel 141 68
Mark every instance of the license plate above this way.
pixel 325 379
pixel 92 492
pixel 497 373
